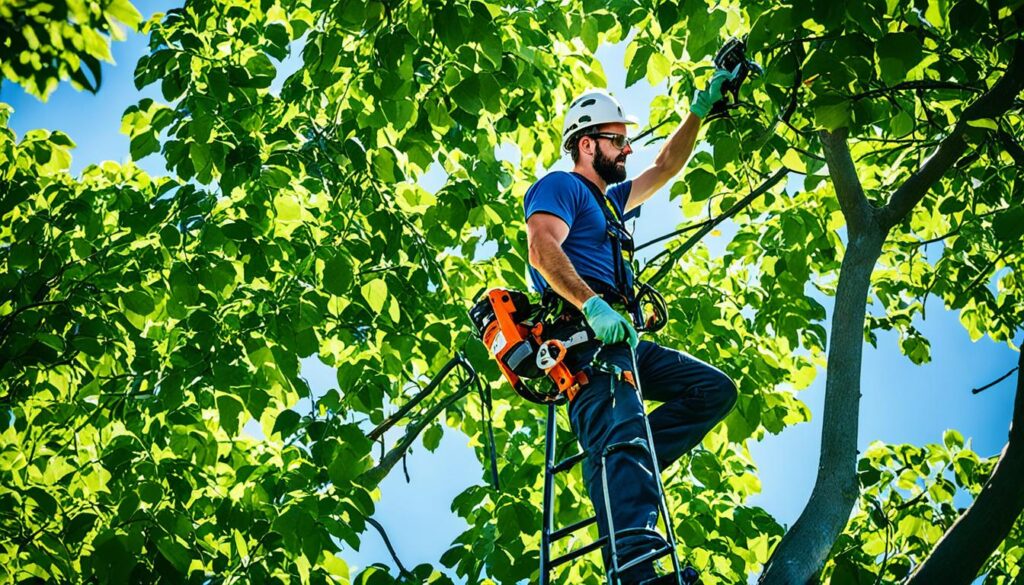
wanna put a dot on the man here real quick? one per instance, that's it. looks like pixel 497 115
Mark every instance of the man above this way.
pixel 573 224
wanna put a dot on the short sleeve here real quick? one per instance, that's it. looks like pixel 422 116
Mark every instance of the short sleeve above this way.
pixel 618 194
pixel 553 194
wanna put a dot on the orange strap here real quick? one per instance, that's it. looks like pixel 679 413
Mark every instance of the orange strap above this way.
pixel 628 377
pixel 580 380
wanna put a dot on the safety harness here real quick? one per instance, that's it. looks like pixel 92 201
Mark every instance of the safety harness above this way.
pixel 530 341
pixel 636 299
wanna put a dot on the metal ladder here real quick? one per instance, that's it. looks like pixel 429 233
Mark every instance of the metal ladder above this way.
pixel 550 535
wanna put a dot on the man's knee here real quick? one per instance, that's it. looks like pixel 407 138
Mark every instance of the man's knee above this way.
pixel 724 394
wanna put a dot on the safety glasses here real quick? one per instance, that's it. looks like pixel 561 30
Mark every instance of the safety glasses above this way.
pixel 619 141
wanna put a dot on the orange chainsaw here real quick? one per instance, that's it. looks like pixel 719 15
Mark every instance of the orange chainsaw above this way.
pixel 513 330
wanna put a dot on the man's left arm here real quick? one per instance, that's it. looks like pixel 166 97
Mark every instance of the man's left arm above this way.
pixel 669 162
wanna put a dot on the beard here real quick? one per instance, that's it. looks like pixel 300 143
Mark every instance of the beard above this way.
pixel 608 168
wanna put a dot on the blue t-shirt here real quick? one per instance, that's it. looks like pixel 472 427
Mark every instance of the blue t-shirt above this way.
pixel 588 246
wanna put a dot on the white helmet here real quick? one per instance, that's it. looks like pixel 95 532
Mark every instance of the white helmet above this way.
pixel 592 108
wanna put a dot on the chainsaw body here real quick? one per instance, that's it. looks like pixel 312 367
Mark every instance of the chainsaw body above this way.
pixel 507 324
pixel 732 54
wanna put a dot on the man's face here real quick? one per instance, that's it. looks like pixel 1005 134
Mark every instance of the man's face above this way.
pixel 609 162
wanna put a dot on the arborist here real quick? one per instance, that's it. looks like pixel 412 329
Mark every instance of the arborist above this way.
pixel 577 238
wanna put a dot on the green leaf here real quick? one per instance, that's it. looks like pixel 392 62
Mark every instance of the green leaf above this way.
pixel 46 505
pixel 124 11
pixel 898 53
pixel 953 439
pixel 1008 226
pixel 701 184
pixel 793 160
pixel 287 208
pixel 23 255
pixel 432 437
pixel 286 423
pixel 983 123
pixel 438 116
pixel 150 492
pixel 658 68
pixel 261 71
pixel 139 302
pixel 385 166
pixel 832 113
pixel 491 46
pixel 637 64
pixel 79 527
pixel 143 145
pixel 467 95
pixel 229 408
pixel 175 553
pixel 338 275
pixel 375 292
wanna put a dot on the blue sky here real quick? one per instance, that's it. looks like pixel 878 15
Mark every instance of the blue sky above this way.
pixel 901 402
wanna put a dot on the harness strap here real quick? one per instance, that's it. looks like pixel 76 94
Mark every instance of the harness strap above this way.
pixel 582 380
pixel 618 234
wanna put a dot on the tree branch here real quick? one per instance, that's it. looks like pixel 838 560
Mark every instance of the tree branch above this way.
pixel 677 232
pixel 991 104
pixel 908 85
pixel 1012 147
pixel 677 253
pixel 859 213
pixel 390 421
pixel 994 382
pixel 403 572
pixel 378 473
pixel 962 551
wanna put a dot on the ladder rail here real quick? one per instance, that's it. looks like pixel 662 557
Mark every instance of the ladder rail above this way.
pixel 549 534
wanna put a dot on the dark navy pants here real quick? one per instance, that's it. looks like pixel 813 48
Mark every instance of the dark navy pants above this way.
pixel 695 397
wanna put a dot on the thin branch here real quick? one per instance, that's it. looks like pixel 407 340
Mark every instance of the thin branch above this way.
pixel 801 41
pixel 1012 147
pixel 676 253
pixel 387 542
pixel 650 130
pixel 994 382
pixel 389 422
pixel 953 231
pixel 991 104
pixel 984 272
pixel 961 553
pixel 678 232
pixel 396 453
pixel 915 85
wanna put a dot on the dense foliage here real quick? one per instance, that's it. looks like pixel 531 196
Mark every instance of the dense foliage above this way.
pixel 43 42
pixel 144 322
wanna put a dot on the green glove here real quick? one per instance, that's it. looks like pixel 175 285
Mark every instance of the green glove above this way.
pixel 703 101
pixel 607 323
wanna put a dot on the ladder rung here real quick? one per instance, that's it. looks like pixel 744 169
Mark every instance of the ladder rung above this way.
pixel 568 462
pixel 579 552
pixel 650 556
pixel 562 532
pixel 644 531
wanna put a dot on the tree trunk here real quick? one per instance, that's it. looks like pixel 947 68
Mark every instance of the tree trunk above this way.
pixel 803 550
pixel 805 547
pixel 960 554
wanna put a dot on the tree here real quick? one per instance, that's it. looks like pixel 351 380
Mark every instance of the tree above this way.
pixel 155 318
pixel 45 42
